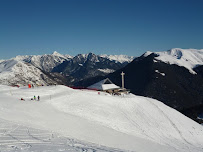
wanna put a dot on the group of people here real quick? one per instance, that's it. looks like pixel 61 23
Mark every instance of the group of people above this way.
pixel 34 98
pixel 38 98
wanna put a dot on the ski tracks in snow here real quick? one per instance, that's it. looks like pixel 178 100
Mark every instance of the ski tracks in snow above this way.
pixel 187 143
pixel 17 138
pixel 11 140
pixel 134 123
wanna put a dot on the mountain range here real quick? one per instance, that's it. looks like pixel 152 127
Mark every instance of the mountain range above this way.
pixel 84 66
pixel 57 68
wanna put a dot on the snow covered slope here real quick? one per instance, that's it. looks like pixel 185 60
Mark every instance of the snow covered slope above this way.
pixel 22 70
pixel 188 58
pixel 16 72
pixel 128 123
pixel 118 58
pixel 45 62
pixel 15 137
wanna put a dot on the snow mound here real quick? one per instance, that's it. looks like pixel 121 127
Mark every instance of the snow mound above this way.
pixel 129 122
pixel 188 58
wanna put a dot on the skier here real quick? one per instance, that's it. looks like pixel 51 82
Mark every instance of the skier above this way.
pixel 38 98
pixel 34 98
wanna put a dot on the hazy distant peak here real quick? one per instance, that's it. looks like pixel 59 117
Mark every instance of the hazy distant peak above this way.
pixel 1 61
pixel 55 53
pixel 21 58
pixel 118 58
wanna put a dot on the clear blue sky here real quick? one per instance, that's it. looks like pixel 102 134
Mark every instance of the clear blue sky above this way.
pixel 100 26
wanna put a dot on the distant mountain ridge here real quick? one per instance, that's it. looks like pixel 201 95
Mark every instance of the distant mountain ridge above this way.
pixel 41 68
pixel 45 62
pixel 84 66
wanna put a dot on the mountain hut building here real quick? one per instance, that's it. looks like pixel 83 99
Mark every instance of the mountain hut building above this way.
pixel 108 86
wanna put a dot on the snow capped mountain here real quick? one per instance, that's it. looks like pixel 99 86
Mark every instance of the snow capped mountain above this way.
pixel 77 68
pixel 85 66
pixel 55 53
pixel 44 62
pixel 118 58
pixel 48 61
pixel 16 72
pixel 188 58
pixel 78 119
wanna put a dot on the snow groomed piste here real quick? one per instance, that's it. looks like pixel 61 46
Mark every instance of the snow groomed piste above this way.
pixel 75 120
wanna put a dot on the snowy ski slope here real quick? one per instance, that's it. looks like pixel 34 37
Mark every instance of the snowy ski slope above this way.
pixel 76 120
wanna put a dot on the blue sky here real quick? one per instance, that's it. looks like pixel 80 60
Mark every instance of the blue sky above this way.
pixel 131 27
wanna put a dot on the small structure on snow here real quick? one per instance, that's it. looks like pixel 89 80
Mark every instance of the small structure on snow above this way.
pixel 107 86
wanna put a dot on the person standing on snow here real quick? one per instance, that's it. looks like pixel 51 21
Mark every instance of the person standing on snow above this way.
pixel 34 98
pixel 38 98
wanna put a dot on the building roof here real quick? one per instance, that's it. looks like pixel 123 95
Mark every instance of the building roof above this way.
pixel 105 84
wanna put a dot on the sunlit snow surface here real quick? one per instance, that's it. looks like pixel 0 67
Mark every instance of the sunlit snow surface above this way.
pixel 188 58
pixel 14 137
pixel 73 120
pixel 19 72
pixel 118 58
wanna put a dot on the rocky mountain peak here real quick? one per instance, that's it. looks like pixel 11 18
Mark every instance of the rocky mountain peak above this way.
pixel 92 57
